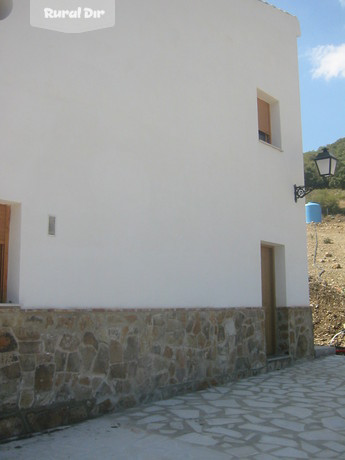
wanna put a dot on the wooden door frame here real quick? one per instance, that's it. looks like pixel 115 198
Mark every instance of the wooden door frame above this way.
pixel 4 243
pixel 269 299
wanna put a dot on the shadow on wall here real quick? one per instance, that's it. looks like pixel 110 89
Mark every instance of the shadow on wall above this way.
pixel 5 8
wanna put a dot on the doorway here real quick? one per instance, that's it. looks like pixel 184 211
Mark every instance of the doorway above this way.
pixel 5 213
pixel 269 297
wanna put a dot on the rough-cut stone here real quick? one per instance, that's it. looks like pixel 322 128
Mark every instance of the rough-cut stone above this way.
pixel 132 349
pixel 302 346
pixel 197 327
pixel 26 399
pixel 90 339
pixel 73 362
pixel 131 318
pixel 66 322
pixel 64 366
pixel 122 387
pixel 295 332
pixel 104 391
pixel 44 358
pixel 132 370
pixel 49 418
pixel 88 355
pixel 115 352
pixel 60 360
pixel 11 426
pixel 84 381
pixel 27 333
pixel 44 377
pixel 7 342
pixel 64 393
pixel 168 353
pixel 118 371
pixel 159 319
pixel 69 342
pixel 28 380
pixel 81 392
pixel 12 371
pixel 29 347
pixel 96 383
pixel 27 362
pixel 35 319
pixel 156 349
pixel 105 406
pixel 127 402
pixel 180 358
pixel 49 344
pixel 78 414
pixel 101 364
pixel 180 374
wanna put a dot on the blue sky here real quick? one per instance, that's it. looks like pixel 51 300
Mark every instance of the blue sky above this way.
pixel 321 50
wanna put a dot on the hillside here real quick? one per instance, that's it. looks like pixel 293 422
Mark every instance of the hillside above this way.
pixel 326 247
pixel 327 277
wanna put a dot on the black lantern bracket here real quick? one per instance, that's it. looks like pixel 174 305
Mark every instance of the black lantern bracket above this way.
pixel 325 164
pixel 301 191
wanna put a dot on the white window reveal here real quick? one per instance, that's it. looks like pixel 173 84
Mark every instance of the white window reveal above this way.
pixel 268 119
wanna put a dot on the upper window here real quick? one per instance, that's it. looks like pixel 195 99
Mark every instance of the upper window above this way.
pixel 268 119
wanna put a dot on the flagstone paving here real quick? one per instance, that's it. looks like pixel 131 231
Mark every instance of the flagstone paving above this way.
pixel 295 413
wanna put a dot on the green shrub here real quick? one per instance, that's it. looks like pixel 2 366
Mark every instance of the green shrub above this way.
pixel 328 200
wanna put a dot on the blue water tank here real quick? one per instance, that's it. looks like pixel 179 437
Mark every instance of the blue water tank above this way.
pixel 313 213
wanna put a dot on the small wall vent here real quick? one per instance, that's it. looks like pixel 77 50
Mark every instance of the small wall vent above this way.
pixel 51 225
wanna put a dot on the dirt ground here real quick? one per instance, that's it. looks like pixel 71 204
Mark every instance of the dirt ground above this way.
pixel 326 260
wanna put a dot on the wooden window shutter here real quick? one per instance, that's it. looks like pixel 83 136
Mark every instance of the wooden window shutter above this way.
pixel 264 119
pixel 5 212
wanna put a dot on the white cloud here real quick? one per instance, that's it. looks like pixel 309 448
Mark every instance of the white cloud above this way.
pixel 328 61
pixel 342 3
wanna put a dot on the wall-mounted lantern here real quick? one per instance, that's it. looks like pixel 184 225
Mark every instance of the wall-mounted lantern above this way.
pixel 325 164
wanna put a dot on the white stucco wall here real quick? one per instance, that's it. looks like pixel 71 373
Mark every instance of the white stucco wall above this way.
pixel 142 141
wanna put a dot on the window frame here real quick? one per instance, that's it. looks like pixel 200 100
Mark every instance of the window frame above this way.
pixel 269 130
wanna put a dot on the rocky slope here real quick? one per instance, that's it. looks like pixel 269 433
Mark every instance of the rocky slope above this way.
pixel 326 259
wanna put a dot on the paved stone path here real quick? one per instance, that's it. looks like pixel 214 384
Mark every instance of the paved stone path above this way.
pixel 294 413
